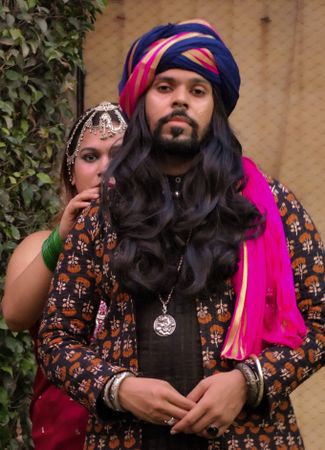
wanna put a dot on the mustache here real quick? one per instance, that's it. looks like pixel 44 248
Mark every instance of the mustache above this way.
pixel 178 113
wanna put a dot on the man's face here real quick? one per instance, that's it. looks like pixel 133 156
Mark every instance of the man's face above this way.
pixel 179 106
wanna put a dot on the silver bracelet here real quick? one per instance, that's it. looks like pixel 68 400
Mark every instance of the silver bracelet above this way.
pixel 260 376
pixel 114 388
pixel 252 383
pixel 106 393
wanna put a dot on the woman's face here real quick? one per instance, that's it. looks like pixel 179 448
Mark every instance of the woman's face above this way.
pixel 92 160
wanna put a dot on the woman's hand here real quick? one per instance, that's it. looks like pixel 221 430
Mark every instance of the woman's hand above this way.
pixel 153 400
pixel 73 209
pixel 218 401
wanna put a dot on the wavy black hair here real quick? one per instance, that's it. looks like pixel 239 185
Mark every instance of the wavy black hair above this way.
pixel 152 227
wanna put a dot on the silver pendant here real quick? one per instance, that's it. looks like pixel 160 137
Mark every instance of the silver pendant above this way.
pixel 164 325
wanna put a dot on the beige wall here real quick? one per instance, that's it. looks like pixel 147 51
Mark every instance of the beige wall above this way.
pixel 279 47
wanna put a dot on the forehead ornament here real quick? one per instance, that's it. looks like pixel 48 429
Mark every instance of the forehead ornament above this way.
pixel 111 122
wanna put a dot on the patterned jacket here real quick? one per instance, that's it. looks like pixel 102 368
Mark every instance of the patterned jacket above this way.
pixel 70 360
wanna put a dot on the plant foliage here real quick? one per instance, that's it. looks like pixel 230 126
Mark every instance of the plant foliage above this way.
pixel 40 42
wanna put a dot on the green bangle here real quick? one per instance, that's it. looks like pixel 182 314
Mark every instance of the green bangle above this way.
pixel 51 249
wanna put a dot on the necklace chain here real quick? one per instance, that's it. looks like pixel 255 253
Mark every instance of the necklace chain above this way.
pixel 179 267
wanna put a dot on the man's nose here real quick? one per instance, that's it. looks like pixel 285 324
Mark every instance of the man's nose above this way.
pixel 180 98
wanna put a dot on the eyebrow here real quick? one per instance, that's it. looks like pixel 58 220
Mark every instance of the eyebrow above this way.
pixel 175 80
pixel 84 149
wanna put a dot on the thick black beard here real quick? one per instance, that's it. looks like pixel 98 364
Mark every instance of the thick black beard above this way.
pixel 173 146
pixel 185 148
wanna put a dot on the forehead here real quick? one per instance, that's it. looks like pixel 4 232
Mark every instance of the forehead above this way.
pixel 181 75
pixel 92 138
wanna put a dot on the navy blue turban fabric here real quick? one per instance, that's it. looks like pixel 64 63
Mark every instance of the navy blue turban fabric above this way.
pixel 193 45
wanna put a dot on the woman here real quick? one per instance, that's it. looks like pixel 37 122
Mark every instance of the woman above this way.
pixel 58 421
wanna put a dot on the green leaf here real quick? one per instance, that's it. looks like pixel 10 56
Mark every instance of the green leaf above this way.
pixel 28 194
pixel 102 3
pixel 6 107
pixel 44 178
pixel 33 45
pixel 12 75
pixel 8 121
pixel 42 24
pixel 6 41
pixel 7 370
pixel 15 232
pixel 24 125
pixel 15 33
pixel 24 49
pixel 10 19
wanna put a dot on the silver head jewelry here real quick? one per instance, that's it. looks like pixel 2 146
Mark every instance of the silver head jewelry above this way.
pixel 110 122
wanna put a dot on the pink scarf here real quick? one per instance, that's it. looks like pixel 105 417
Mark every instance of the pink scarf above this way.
pixel 266 310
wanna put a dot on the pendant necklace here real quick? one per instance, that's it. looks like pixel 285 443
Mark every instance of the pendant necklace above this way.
pixel 165 324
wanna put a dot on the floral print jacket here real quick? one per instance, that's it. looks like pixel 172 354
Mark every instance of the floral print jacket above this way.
pixel 82 367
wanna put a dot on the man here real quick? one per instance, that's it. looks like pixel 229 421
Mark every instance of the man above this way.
pixel 205 334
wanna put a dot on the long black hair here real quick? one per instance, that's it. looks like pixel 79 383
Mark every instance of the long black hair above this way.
pixel 152 227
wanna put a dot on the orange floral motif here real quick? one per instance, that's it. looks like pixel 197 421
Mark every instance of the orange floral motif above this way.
pixel 99 427
pixel 134 364
pixel 114 441
pixel 129 440
pixel 67 246
pixel 74 367
pixel 74 357
pixel 224 317
pixel 283 210
pixel 271 356
pixel 292 219
pixel 264 438
pixel 290 368
pixel 77 324
pixel 80 225
pixel 123 297
pixel 241 429
pixel 270 368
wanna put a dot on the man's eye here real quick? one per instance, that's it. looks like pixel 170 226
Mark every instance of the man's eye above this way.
pixel 163 88
pixel 199 92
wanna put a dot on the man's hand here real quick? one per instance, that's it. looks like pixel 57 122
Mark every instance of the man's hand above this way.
pixel 219 399
pixel 153 400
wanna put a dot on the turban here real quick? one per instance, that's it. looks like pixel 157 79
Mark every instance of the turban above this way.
pixel 192 45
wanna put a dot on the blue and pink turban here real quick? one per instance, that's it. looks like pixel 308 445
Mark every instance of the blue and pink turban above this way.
pixel 192 45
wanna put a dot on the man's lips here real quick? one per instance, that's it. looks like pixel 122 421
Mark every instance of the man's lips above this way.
pixel 179 120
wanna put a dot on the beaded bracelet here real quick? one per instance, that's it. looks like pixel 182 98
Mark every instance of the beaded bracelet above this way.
pixel 51 249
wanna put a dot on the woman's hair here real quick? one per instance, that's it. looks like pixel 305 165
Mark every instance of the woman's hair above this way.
pixel 152 227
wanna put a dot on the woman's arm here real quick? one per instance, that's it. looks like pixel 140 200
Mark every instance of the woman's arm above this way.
pixel 65 353
pixel 27 283
pixel 28 278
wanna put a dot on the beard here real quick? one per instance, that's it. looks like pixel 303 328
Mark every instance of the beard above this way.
pixel 186 147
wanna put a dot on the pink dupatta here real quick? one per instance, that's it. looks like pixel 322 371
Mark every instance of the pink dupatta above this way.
pixel 266 310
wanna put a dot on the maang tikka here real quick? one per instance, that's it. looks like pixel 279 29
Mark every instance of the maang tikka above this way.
pixel 106 128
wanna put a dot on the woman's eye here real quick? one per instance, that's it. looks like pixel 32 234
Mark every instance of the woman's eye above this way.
pixel 89 157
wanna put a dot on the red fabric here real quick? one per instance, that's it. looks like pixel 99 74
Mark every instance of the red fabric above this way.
pixel 58 422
